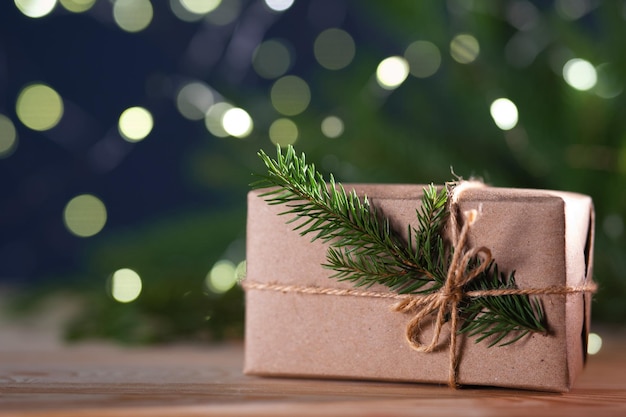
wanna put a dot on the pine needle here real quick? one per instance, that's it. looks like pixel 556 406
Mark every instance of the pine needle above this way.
pixel 365 250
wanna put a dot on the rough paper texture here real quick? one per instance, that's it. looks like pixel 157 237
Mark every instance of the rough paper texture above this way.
pixel 545 236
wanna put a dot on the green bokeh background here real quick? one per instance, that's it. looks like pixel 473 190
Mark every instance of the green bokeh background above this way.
pixel 565 139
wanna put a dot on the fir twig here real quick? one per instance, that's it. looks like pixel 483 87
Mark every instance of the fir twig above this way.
pixel 366 250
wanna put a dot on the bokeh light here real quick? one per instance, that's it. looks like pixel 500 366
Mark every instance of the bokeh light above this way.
pixel 226 13
pixel 391 72
pixel 572 9
pixel 35 8
pixel 423 57
pixel 464 48
pixel 283 132
pixel 182 13
pixel 504 113
pixel 39 107
pixel 85 215
pixel 594 343
pixel 222 277
pixel 523 15
pixel 279 5
pixel 132 15
pixel 332 127
pixel 271 59
pixel 194 100
pixel 200 7
pixel 237 122
pixel 135 124
pixel 334 49
pixel 213 119
pixel 8 136
pixel 609 84
pixel 77 6
pixel 290 95
pixel 126 285
pixel 580 74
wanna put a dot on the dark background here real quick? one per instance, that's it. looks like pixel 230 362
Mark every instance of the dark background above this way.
pixel 176 200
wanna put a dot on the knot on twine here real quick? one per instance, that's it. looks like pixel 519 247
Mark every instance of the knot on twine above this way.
pixel 446 300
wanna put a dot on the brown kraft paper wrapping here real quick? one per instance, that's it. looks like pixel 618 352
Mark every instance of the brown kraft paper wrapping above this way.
pixel 546 237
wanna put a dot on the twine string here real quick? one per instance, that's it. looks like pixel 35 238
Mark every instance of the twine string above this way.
pixel 449 295
pixel 418 300
pixel 446 300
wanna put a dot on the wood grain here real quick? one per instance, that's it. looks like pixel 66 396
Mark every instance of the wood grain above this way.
pixel 104 380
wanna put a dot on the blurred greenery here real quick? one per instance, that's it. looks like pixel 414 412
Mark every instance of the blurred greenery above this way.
pixel 565 139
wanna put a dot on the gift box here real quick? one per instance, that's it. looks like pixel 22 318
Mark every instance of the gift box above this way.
pixel 300 322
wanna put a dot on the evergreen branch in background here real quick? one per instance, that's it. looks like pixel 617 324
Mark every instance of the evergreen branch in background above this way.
pixel 365 249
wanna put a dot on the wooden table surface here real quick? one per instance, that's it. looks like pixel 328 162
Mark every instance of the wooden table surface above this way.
pixel 104 380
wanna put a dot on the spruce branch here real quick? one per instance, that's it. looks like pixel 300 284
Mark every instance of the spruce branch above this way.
pixel 366 250
pixel 495 317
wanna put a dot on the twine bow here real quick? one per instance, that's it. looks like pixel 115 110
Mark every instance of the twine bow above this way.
pixel 447 299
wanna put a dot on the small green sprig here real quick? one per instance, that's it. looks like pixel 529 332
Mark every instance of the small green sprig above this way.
pixel 366 250
pixel 491 318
